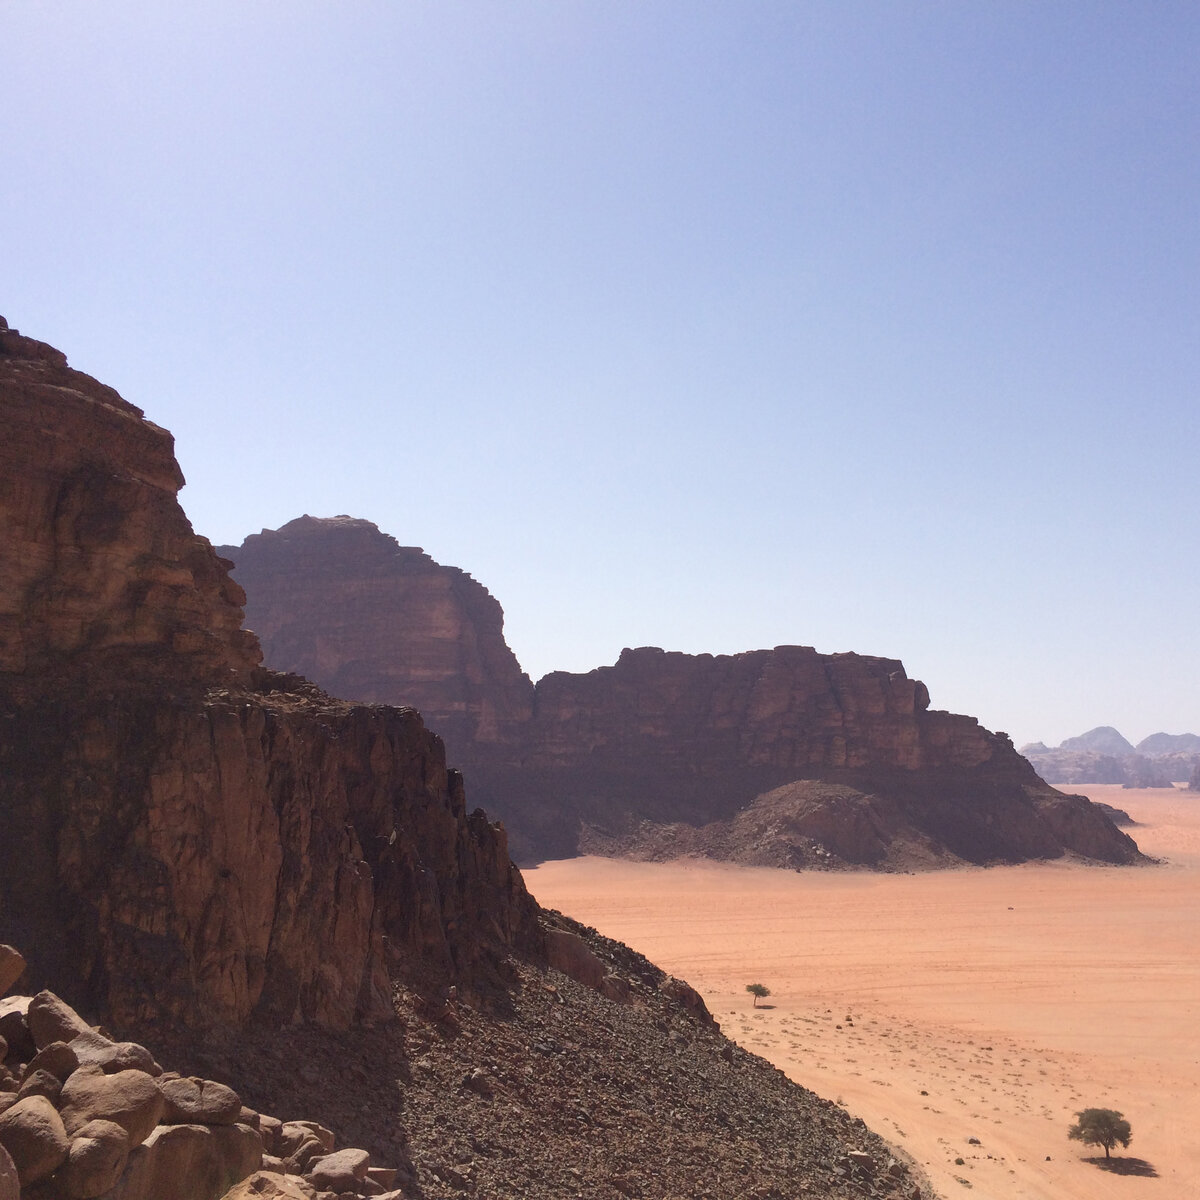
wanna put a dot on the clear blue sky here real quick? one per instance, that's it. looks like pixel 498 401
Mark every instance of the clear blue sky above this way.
pixel 705 325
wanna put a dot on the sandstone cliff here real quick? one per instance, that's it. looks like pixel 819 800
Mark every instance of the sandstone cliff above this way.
pixel 323 598
pixel 183 834
pixel 636 757
pixel 190 843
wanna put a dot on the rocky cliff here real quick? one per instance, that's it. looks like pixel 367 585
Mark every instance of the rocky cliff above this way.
pixel 325 597
pixel 629 758
pixel 193 845
pixel 183 834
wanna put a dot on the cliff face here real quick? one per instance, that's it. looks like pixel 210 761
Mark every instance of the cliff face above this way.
pixel 183 834
pixel 630 758
pixel 99 561
pixel 324 598
pixel 190 841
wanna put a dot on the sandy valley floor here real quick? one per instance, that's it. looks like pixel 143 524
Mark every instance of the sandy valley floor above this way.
pixel 988 1004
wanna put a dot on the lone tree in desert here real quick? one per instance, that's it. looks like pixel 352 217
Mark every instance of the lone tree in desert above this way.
pixel 758 991
pixel 1100 1127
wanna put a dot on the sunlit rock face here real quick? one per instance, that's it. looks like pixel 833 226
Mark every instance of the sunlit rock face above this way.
pixel 184 834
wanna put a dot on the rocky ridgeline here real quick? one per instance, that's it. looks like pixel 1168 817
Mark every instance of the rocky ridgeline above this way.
pixel 1103 755
pixel 661 753
pixel 83 1116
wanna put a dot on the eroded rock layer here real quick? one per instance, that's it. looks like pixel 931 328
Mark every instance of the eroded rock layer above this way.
pixel 637 757
pixel 183 834
pixel 341 603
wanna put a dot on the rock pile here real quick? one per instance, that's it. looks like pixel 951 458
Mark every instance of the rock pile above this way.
pixel 83 1116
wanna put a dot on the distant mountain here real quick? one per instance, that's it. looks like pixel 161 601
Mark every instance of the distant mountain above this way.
pixel 1102 755
pixel 1159 744
pixel 1104 739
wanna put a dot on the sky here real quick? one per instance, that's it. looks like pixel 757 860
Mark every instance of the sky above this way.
pixel 865 326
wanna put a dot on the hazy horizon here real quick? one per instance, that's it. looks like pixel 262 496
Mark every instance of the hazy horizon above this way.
pixel 858 326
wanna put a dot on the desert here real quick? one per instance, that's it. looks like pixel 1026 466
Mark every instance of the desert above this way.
pixel 987 1004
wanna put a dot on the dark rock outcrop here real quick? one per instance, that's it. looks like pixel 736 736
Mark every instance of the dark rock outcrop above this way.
pixel 637 757
pixel 323 597
pixel 182 834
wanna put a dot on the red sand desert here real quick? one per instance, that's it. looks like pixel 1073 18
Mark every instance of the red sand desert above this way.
pixel 942 1007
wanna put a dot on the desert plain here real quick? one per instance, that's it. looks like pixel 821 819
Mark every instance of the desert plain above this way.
pixel 966 1014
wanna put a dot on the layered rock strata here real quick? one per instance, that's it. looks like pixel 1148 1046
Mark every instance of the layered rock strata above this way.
pixel 638 757
pixel 183 834
pixel 344 604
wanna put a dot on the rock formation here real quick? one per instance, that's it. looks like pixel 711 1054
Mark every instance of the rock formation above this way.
pixel 183 834
pixel 323 597
pixel 256 877
pixel 1104 739
pixel 1103 756
pixel 634 758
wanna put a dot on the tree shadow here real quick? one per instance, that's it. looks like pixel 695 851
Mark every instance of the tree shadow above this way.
pixel 761 1005
pixel 1118 1165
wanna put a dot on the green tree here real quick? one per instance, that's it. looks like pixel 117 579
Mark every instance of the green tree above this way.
pixel 1100 1127
pixel 758 991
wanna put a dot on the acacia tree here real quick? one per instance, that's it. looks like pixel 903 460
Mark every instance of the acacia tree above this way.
pixel 1101 1127
pixel 758 991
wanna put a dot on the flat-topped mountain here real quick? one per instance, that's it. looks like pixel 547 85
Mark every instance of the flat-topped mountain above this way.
pixel 449 658
pixel 287 892
pixel 627 758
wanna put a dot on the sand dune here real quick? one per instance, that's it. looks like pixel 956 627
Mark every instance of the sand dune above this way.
pixel 986 1004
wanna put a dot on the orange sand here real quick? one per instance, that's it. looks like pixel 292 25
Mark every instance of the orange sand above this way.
pixel 957 1004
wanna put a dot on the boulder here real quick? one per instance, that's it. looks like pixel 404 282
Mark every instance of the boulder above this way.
pixel 40 1083
pixel 189 1162
pixel 58 1058
pixel 53 1020
pixel 10 1184
pixel 570 954
pixel 271 1129
pixel 323 1135
pixel 199 1102
pixel 14 1029
pixel 94 1049
pixel 130 1098
pixel 98 1155
pixel 267 1185
pixel 342 1171
pixel 12 966
pixel 33 1134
